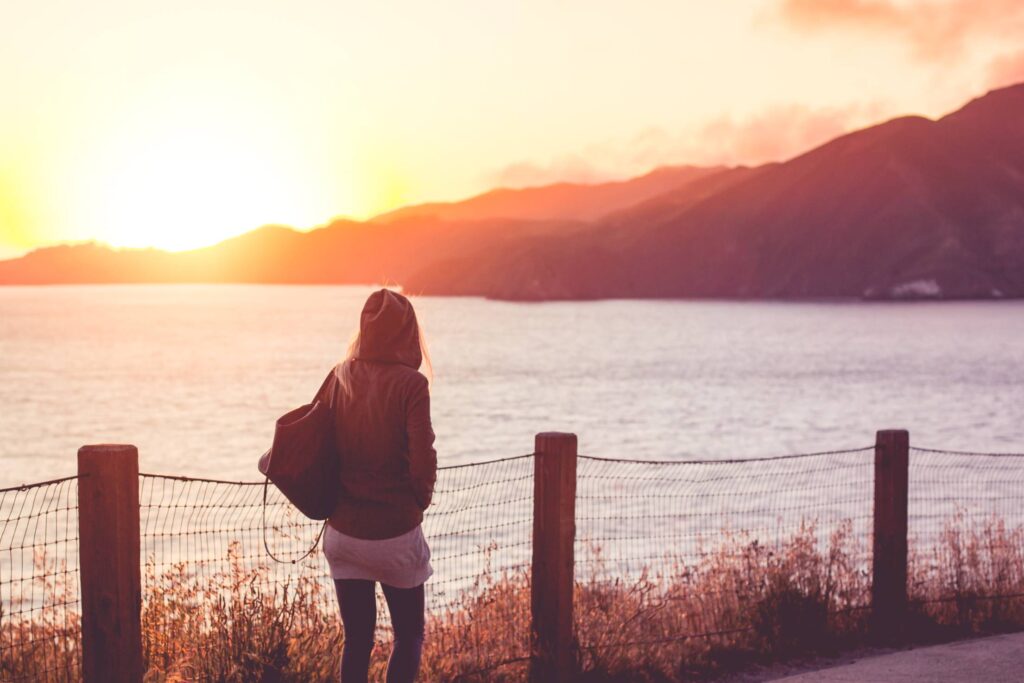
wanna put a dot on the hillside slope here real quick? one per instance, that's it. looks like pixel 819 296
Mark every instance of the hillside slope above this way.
pixel 911 208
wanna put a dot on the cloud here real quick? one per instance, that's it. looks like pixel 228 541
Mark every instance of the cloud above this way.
pixel 1007 69
pixel 571 168
pixel 934 30
pixel 775 134
pixel 815 13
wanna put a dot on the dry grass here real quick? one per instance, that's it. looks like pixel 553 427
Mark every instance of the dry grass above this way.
pixel 40 631
pixel 743 602
pixel 972 580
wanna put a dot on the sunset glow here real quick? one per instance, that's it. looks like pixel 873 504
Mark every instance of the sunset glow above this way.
pixel 664 340
pixel 181 126
pixel 185 185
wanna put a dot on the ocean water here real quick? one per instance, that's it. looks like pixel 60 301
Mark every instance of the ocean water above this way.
pixel 195 375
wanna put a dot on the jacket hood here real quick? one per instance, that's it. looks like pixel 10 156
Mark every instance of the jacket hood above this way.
pixel 388 332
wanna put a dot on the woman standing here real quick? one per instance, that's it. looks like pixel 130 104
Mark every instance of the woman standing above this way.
pixel 388 468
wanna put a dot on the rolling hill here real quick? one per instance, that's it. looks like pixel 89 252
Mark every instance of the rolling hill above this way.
pixel 909 208
pixel 561 201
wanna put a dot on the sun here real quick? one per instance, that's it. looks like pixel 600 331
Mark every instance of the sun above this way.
pixel 192 177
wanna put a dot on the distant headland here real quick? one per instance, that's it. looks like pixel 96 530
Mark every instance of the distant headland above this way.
pixel 911 208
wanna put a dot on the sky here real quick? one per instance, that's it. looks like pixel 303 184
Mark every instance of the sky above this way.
pixel 179 124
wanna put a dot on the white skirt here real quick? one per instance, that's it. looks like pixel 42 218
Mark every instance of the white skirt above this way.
pixel 401 561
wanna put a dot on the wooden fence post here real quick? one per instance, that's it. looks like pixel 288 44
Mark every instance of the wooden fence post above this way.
pixel 108 533
pixel 889 571
pixel 553 653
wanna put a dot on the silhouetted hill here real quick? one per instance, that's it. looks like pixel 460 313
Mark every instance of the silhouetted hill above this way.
pixel 347 252
pixel 344 252
pixel 561 201
pixel 911 208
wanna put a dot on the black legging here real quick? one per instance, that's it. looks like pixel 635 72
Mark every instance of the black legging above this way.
pixel 359 617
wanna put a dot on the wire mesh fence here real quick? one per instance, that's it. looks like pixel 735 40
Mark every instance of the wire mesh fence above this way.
pixel 480 528
pixel 673 560
pixel 672 556
pixel 40 634
pixel 966 537
pixel 213 597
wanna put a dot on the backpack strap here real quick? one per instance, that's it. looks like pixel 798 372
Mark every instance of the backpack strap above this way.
pixel 266 484
pixel 331 376
pixel 266 546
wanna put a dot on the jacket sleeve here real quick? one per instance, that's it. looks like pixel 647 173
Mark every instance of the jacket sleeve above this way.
pixel 422 456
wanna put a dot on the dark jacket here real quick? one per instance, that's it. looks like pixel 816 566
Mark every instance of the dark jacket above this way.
pixel 382 425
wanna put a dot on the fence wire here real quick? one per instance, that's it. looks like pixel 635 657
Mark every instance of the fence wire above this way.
pixel 966 537
pixel 678 555
pixel 40 630
pixel 673 561
pixel 212 597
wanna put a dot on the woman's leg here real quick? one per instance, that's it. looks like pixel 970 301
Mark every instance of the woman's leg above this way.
pixel 359 617
pixel 406 607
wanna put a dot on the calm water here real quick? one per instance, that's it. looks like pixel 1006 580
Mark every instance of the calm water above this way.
pixel 196 375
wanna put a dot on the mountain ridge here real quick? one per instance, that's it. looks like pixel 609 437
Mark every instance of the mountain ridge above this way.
pixel 909 208
pixel 557 201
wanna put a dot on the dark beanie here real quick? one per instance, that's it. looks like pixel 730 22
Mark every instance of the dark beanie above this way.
pixel 388 331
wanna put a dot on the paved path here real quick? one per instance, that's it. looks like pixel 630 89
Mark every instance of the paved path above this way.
pixel 997 659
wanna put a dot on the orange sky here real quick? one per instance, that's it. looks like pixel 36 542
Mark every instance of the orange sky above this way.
pixel 179 124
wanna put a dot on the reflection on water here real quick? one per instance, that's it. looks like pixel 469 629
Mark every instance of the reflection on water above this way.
pixel 195 375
